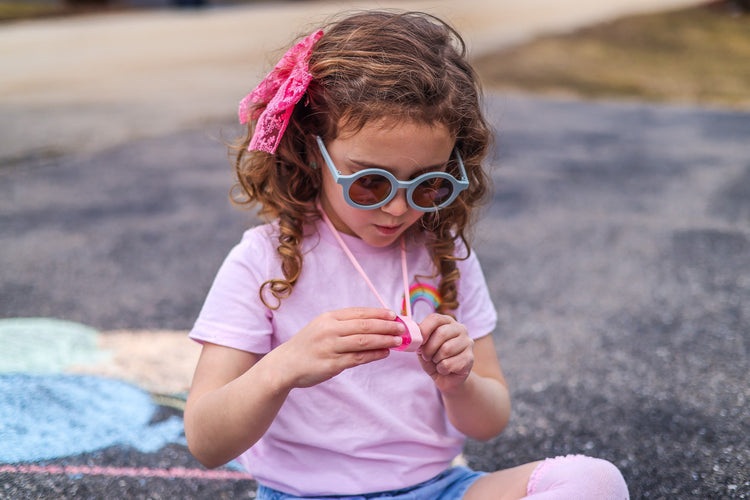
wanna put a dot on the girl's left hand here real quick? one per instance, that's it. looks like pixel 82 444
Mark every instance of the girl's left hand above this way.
pixel 447 353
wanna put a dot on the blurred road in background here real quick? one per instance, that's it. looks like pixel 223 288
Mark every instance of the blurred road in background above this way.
pixel 616 248
pixel 81 84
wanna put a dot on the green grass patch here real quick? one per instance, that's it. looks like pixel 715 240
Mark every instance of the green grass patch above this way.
pixel 10 11
pixel 699 55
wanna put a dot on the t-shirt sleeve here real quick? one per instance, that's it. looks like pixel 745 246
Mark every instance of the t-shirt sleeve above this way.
pixel 476 310
pixel 233 314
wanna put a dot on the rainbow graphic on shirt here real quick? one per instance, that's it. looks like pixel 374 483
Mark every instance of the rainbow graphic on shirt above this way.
pixel 422 292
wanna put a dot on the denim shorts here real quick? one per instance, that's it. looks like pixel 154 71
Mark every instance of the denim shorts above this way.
pixel 448 485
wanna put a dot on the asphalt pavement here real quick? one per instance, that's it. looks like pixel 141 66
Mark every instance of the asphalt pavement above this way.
pixel 616 248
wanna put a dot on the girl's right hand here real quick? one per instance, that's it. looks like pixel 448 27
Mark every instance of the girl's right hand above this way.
pixel 236 395
pixel 337 340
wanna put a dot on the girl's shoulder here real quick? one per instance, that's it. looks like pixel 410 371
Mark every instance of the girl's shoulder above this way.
pixel 461 249
pixel 466 259
pixel 259 236
pixel 260 243
pixel 261 233
pixel 257 245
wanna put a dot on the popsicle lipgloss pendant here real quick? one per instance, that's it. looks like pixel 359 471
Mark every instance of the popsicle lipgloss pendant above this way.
pixel 412 337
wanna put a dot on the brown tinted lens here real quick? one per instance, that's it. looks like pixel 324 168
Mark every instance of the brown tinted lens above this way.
pixel 432 192
pixel 370 189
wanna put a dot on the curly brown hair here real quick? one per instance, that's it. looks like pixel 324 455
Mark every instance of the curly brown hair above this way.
pixel 404 66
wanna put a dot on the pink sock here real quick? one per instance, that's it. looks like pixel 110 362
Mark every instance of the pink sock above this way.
pixel 579 477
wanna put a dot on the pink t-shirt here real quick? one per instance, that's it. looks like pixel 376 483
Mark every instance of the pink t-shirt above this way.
pixel 380 426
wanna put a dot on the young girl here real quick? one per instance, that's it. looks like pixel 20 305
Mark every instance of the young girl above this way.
pixel 347 347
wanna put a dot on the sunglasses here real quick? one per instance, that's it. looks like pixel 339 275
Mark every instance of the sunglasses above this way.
pixel 374 187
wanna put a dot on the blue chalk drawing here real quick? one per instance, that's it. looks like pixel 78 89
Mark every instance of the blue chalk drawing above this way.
pixel 46 345
pixel 52 416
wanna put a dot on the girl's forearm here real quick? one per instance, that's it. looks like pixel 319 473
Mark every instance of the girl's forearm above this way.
pixel 480 408
pixel 222 424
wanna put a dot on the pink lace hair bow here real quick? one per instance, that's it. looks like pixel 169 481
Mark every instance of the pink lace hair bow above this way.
pixel 281 90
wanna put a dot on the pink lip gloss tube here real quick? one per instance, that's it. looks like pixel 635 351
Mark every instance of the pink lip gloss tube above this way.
pixel 413 336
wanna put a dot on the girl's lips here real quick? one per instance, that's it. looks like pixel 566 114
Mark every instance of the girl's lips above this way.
pixel 388 230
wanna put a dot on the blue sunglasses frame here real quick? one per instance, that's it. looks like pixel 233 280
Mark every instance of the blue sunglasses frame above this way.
pixel 346 182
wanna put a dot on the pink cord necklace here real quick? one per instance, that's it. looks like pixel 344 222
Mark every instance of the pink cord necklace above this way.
pixel 412 338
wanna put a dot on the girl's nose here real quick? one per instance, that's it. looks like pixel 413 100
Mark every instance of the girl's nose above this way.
pixel 398 205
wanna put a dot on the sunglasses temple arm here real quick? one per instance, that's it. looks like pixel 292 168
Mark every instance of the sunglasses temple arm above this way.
pixel 464 178
pixel 327 158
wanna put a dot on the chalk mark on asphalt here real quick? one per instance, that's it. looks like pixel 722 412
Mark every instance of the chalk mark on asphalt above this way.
pixel 173 472
pixel 52 416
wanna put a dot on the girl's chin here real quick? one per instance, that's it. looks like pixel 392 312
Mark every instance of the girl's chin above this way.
pixel 376 238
